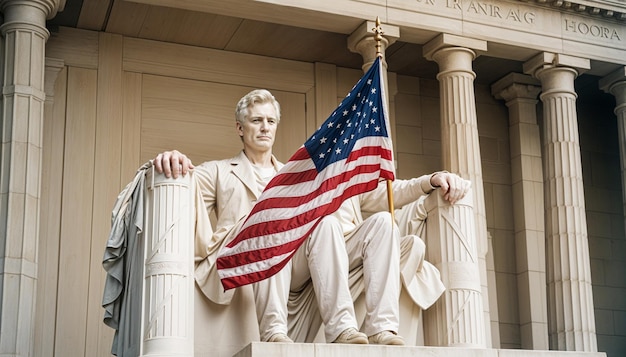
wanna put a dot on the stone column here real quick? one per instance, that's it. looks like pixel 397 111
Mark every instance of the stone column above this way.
pixel 459 133
pixel 520 93
pixel 571 321
pixel 615 83
pixel 456 319
pixel 24 37
pixel 167 326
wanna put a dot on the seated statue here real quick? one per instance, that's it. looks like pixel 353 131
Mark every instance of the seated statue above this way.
pixel 294 304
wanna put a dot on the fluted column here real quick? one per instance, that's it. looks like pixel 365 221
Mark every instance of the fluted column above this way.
pixel 571 321
pixel 168 308
pixel 456 319
pixel 520 93
pixel 24 36
pixel 615 83
pixel 459 133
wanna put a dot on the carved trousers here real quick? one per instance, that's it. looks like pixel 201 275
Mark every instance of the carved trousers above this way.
pixel 325 260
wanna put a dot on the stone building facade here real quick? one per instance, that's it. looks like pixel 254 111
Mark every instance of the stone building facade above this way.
pixel 527 99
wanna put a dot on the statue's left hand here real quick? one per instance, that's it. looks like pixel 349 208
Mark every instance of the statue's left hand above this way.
pixel 452 186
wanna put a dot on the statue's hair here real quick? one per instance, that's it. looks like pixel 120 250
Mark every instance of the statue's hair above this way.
pixel 257 96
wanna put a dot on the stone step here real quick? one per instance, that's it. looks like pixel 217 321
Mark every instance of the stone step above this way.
pixel 264 349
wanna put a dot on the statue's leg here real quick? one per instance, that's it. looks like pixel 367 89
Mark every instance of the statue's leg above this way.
pixel 327 268
pixel 375 245
pixel 271 297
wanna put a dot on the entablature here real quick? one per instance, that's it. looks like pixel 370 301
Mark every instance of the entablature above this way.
pixel 604 9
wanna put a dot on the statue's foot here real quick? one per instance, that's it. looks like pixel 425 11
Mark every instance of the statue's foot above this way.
pixel 352 336
pixel 280 337
pixel 386 338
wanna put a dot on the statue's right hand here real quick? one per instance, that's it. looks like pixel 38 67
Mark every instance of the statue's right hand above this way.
pixel 172 163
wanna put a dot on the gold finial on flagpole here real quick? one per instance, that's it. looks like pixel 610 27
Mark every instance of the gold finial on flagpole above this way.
pixel 378 36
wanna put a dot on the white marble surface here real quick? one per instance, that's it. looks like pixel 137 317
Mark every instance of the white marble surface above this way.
pixel 258 349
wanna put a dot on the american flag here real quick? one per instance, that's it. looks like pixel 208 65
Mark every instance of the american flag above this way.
pixel 346 156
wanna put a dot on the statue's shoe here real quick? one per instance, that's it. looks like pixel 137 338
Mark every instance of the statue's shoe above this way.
pixel 352 336
pixel 386 338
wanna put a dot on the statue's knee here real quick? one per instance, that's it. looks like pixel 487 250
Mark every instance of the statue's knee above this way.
pixel 328 222
pixel 328 228
pixel 414 241
pixel 381 217
pixel 381 223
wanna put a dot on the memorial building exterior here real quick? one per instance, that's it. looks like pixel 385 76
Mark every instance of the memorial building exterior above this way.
pixel 527 99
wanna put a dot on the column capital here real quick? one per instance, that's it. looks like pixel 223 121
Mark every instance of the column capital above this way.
pixel 49 7
pixel 516 85
pixel 613 79
pixel 53 68
pixel 362 40
pixel 547 60
pixel 444 40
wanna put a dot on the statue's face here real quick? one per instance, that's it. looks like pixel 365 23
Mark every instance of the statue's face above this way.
pixel 259 129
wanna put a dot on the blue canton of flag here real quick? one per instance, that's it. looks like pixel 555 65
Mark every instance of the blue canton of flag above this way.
pixel 358 115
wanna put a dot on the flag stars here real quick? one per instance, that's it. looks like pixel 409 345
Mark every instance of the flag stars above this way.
pixel 358 115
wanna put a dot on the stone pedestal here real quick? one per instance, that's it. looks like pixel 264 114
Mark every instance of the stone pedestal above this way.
pixel 263 349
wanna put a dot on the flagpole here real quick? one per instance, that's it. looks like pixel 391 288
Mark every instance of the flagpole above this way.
pixel 378 31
